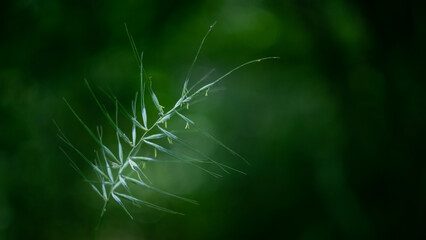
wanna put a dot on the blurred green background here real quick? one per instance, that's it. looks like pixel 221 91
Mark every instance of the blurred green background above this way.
pixel 334 130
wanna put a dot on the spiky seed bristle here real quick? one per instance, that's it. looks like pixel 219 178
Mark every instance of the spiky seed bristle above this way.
pixel 110 180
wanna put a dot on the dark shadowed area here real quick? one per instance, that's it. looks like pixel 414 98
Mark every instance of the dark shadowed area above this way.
pixel 332 130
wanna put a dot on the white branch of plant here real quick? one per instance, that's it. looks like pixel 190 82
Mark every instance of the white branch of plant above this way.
pixel 115 171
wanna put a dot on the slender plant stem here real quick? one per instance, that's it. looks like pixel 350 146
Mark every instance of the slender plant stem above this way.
pixel 100 218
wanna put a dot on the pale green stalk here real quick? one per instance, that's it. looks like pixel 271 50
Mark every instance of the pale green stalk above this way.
pixel 111 181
